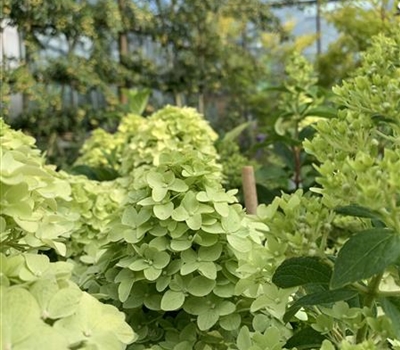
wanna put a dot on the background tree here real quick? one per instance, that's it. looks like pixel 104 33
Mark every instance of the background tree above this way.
pixel 356 23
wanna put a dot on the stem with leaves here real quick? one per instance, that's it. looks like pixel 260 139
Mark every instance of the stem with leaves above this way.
pixel 373 289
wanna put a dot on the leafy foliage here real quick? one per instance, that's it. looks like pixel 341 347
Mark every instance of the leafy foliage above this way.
pixel 42 308
pixel 300 103
pixel 359 241
pixel 166 244
pixel 349 19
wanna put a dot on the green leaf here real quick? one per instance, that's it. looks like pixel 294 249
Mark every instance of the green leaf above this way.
pixel 179 245
pixel 172 300
pixel 210 253
pixel 161 259
pixel 325 297
pixel 151 273
pixel 300 271
pixel 322 111
pixel 37 264
pixel 163 211
pixel 129 217
pixel 96 319
pixel 19 314
pixel 222 208
pixel 225 308
pixel 137 100
pixel 195 305
pixel 207 319
pixel 261 322
pixel 391 306
pixel 124 289
pixel 155 179
pixel 64 302
pixel 194 222
pixel 179 186
pixel 241 244
pixel 208 269
pixel 244 339
pixel 44 337
pixel 233 134
pixel 159 193
pixel 365 254
pixel 357 211
pixel 139 265
pixel 306 338
pixel 189 268
pixel 201 286
pixel 230 322
pixel 180 214
pixel 232 222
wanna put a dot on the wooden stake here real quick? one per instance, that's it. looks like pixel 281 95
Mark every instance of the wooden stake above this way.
pixel 249 190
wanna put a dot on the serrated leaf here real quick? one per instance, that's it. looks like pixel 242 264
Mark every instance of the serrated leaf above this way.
pixel 391 306
pixel 201 286
pixel 364 255
pixel 300 271
pixel 306 338
pixel 319 298
pixel 172 300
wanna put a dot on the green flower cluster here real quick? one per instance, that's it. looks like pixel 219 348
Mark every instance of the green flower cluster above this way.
pixel 30 216
pixel 360 149
pixel 42 309
pixel 173 249
pixel 41 209
pixel 140 140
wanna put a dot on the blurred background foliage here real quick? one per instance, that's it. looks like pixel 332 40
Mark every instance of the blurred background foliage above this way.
pixel 85 64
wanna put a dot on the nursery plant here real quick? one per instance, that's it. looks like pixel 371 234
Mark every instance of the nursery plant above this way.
pixel 286 167
pixel 41 306
pixel 342 245
pixel 165 249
